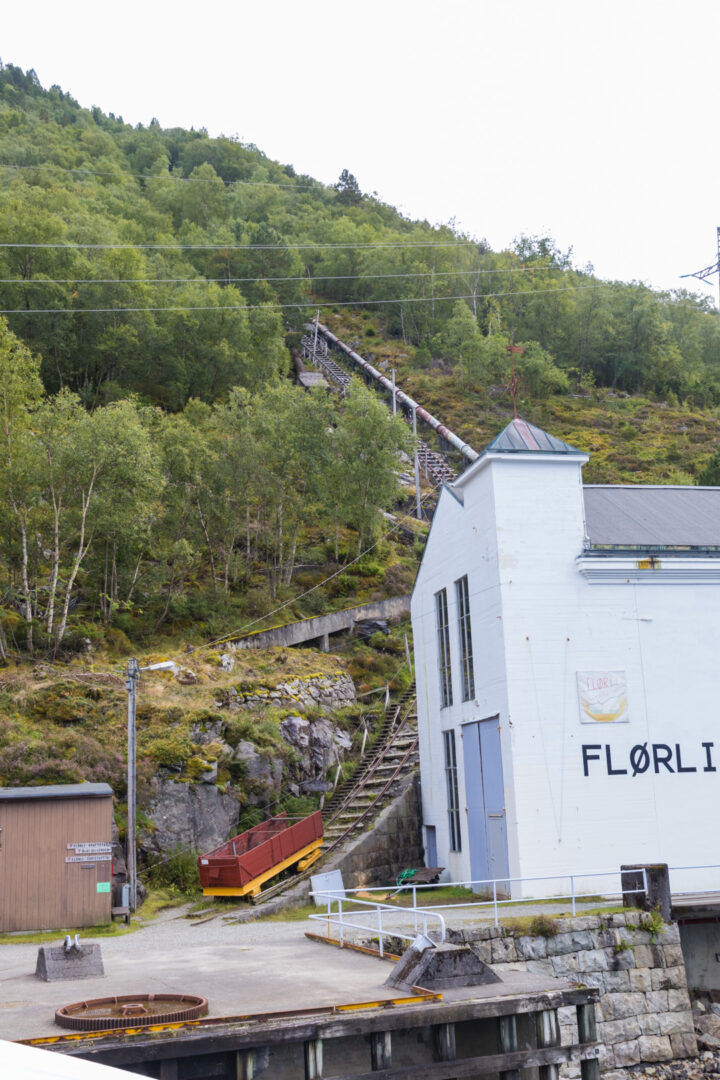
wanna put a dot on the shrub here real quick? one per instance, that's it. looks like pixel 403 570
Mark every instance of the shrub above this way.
pixel 178 871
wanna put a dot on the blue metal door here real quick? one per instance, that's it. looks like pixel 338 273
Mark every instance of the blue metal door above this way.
pixel 485 795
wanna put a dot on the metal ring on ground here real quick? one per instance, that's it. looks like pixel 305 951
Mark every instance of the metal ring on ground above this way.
pixel 101 1014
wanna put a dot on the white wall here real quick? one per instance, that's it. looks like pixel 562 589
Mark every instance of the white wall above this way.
pixel 536 621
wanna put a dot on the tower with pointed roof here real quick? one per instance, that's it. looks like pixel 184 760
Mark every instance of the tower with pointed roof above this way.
pixel 564 637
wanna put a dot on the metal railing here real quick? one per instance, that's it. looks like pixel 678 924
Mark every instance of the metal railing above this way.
pixel 691 892
pixel 345 920
pixel 498 887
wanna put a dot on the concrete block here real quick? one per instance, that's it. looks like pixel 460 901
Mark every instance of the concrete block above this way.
pixel 670 978
pixel 584 922
pixel 531 948
pixel 55 964
pixel 618 982
pixel 656 1001
pixel 676 1023
pixel 620 961
pixel 620 1006
pixel 649 1024
pixel 567 1014
pixel 565 965
pixel 684 1045
pixel 678 1000
pixel 576 941
pixel 605 939
pixel 606 1057
pixel 644 957
pixel 593 960
pixel 673 955
pixel 503 950
pixel 640 979
pixel 615 1031
pixel 669 935
pixel 439 967
pixel 655 1048
pixel 627 1053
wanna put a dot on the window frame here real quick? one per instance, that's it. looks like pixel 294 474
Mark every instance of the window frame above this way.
pixel 442 625
pixel 467 667
pixel 452 791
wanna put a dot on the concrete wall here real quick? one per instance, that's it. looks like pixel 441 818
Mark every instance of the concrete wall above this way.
pixel 310 629
pixel 544 615
pixel 644 1011
pixel 394 843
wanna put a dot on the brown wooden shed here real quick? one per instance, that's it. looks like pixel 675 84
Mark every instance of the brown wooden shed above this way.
pixel 55 856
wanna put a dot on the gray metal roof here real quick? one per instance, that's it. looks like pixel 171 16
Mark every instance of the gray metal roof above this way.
pixel 646 517
pixel 521 437
pixel 56 791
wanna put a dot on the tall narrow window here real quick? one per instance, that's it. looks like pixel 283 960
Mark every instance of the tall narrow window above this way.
pixel 443 633
pixel 466 655
pixel 452 791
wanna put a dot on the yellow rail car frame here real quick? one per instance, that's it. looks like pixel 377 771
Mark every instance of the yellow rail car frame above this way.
pixel 304 858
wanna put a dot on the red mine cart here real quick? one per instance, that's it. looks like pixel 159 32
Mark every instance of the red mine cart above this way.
pixel 243 864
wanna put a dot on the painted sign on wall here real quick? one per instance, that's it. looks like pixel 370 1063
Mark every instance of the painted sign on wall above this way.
pixel 602 697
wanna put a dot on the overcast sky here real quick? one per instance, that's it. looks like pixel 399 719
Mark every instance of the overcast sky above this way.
pixel 592 122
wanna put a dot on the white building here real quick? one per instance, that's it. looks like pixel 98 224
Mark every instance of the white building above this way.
pixel 566 647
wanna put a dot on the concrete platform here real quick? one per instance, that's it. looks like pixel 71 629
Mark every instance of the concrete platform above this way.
pixel 240 969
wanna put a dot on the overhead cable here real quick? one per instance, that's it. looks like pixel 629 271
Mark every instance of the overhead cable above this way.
pixel 309 303
pixel 312 246
pixel 234 280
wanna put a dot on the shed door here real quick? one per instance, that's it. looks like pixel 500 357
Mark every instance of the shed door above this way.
pixel 485 796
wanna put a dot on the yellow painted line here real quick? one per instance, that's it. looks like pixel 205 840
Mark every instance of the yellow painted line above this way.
pixel 385 1003
pixel 215 1021
pixel 253 886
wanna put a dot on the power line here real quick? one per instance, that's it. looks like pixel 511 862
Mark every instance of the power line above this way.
pixel 248 247
pixel 233 280
pixel 259 307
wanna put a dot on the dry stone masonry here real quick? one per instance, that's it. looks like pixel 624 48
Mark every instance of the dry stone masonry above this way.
pixel 325 692
pixel 644 1012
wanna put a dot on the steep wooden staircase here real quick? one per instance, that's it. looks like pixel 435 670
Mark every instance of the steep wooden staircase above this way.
pixel 355 803
pixel 394 756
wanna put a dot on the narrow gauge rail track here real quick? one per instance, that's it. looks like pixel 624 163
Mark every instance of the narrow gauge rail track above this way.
pixel 315 348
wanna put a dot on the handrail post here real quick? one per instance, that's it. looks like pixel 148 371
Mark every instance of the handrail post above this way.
pixel 572 890
pixel 340 919
pixel 495 903
pixel 380 936
pixel 414 896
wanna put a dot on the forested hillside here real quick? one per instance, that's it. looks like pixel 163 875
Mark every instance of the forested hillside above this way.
pixel 161 475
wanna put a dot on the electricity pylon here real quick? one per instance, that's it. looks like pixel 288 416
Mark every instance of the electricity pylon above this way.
pixel 708 271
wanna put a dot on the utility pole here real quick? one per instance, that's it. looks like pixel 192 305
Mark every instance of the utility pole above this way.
pixel 131 687
pixel 133 674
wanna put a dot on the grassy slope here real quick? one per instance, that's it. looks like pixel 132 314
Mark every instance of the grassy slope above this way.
pixel 630 438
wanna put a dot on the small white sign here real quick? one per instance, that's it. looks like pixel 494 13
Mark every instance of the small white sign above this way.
pixel 603 697
pixel 88 858
pixel 90 847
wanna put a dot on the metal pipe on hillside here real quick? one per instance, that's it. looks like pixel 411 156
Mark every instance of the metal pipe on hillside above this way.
pixel 400 395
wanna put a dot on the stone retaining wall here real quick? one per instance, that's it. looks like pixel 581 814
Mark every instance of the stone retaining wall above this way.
pixel 393 843
pixel 644 1012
